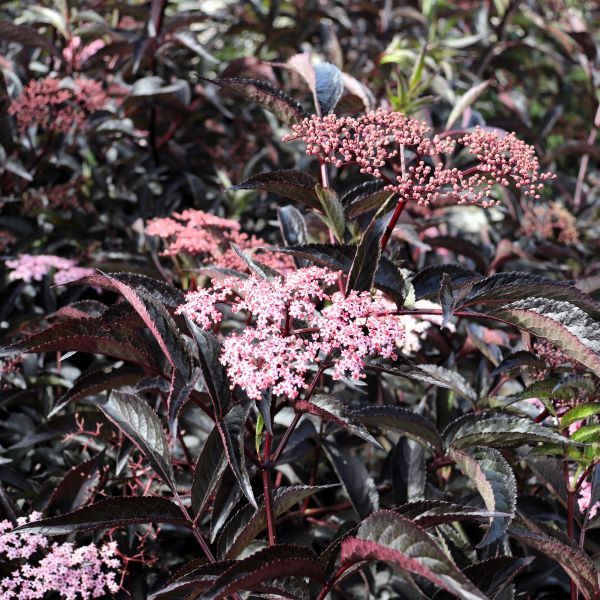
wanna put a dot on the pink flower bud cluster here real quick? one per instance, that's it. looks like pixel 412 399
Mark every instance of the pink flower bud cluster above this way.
pixel 62 196
pixel 34 267
pixel 550 222
pixel 57 105
pixel 379 139
pixel 270 354
pixel 64 569
pixel 585 497
pixel 198 233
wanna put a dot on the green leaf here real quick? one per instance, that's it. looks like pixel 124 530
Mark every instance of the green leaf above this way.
pixel 402 421
pixel 578 413
pixel 248 522
pixel 495 481
pixel 333 209
pixel 366 260
pixel 207 471
pixel 138 421
pixel 587 433
pixel 290 183
pixel 277 562
pixel 354 477
pixel 114 512
pixel 267 95
pixel 259 434
pixel 466 100
pixel 232 429
pixel 497 430
pixel 390 537
pixel 331 409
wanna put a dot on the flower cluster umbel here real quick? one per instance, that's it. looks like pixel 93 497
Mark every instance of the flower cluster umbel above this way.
pixel 296 322
pixel 34 267
pixel 209 237
pixel 72 572
pixel 378 142
pixel 57 105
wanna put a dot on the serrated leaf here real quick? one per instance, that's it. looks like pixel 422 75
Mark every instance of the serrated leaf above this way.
pixel 428 281
pixel 571 558
pixel 333 209
pixel 403 421
pixel 452 380
pixel 231 430
pixel 562 323
pixel 331 409
pixel 521 358
pixel 267 95
pixel 114 512
pixel 503 288
pixel 290 183
pixel 90 335
pixel 493 575
pixel 138 421
pixel 392 538
pixel 192 579
pixel 277 562
pixel 99 381
pixel 328 85
pixel 578 413
pixel 160 290
pixel 587 433
pixel 74 487
pixel 213 372
pixel 339 257
pixel 494 480
pixel 248 522
pixel 24 35
pixel 432 513
pixel 366 259
pixel 355 479
pixel 207 471
pixel 364 197
pixel 497 430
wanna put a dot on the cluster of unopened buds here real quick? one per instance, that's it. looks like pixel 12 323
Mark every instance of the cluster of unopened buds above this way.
pixel 209 237
pixel 295 323
pixel 379 144
pixel 551 221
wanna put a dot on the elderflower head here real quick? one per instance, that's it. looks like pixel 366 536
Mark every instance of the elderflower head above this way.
pixel 209 237
pixel 274 351
pixel 34 267
pixel 378 140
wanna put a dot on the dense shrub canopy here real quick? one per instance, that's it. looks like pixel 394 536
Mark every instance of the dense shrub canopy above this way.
pixel 299 299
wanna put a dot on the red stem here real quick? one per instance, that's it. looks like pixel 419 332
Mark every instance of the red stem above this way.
pixel 267 490
pixel 331 583
pixel 390 227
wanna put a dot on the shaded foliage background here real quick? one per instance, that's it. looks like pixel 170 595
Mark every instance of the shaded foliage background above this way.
pixel 169 139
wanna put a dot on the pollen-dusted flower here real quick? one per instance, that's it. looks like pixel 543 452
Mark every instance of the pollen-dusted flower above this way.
pixel 270 353
pixel 34 267
pixel 209 237
pixel 57 105
pixel 379 140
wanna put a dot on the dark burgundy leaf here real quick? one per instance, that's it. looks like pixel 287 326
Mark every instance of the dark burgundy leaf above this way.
pixel 208 471
pixel 366 259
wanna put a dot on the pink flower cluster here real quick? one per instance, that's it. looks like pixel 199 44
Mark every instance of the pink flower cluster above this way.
pixel 585 497
pixel 57 105
pixel 34 267
pixel 84 572
pixel 379 139
pixel 269 353
pixel 198 233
